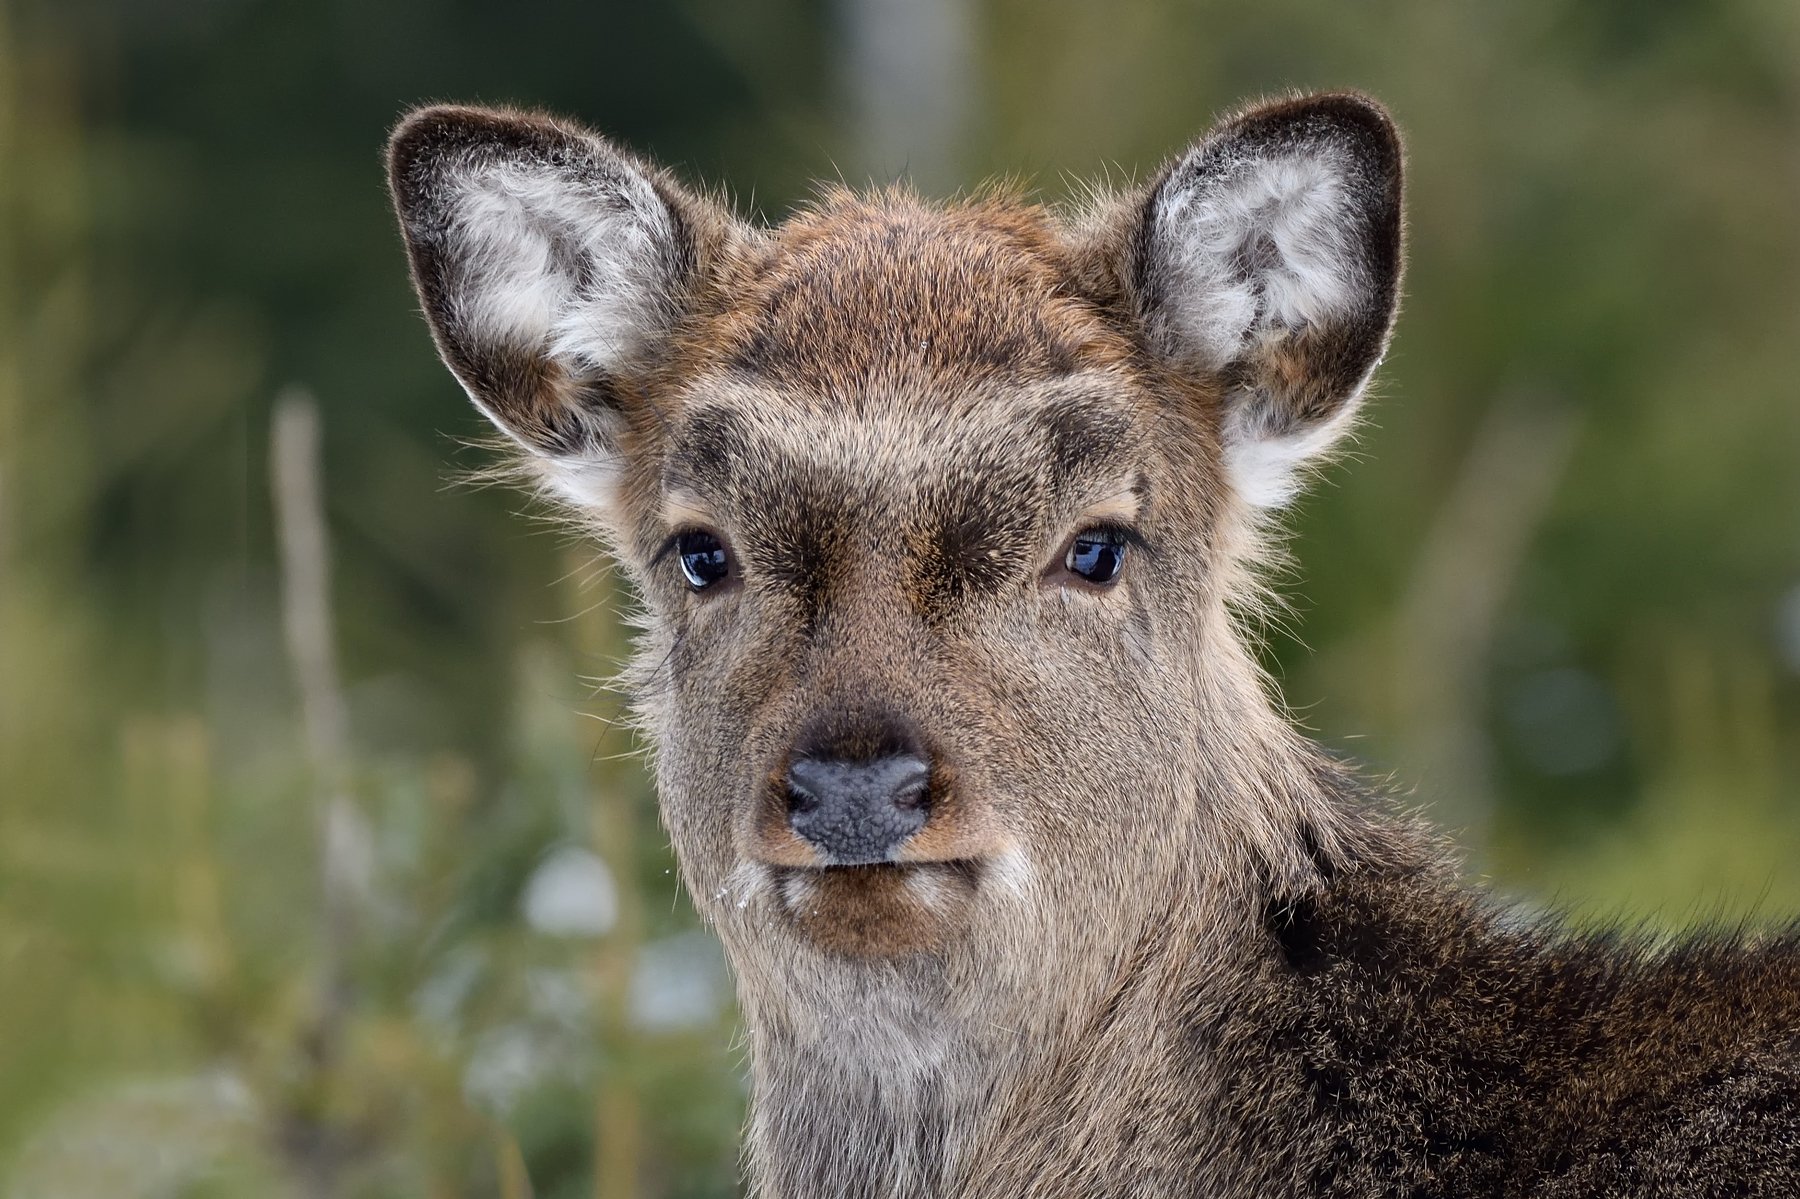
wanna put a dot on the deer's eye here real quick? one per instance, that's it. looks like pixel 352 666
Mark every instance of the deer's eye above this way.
pixel 703 558
pixel 1096 555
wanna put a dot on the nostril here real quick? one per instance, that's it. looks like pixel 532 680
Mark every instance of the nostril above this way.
pixel 911 786
pixel 800 799
pixel 810 781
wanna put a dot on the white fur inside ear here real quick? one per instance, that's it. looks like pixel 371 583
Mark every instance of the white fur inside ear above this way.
pixel 1268 469
pixel 1251 248
pixel 588 481
pixel 1254 244
pixel 577 267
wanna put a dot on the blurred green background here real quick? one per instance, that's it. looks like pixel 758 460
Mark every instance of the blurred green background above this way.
pixel 1556 595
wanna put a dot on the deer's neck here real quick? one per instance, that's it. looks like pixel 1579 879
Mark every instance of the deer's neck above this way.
pixel 901 1084
pixel 876 1098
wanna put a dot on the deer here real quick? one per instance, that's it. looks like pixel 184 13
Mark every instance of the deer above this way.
pixel 950 525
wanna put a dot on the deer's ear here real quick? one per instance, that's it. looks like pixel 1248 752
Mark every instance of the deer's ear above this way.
pixel 551 267
pixel 1269 255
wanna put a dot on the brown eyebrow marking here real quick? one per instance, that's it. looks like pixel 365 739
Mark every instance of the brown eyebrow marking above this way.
pixel 702 452
pixel 1080 432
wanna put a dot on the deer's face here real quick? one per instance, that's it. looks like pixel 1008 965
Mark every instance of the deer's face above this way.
pixel 914 580
pixel 934 511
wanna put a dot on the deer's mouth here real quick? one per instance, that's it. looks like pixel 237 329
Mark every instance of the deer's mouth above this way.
pixel 964 870
pixel 880 909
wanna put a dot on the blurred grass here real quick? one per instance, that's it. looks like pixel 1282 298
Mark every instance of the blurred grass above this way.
pixel 191 219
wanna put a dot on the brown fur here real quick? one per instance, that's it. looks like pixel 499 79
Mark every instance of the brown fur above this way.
pixel 1150 941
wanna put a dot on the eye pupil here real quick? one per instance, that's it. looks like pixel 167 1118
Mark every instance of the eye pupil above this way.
pixel 703 559
pixel 1097 556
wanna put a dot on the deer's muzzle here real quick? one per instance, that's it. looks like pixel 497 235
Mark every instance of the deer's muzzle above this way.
pixel 858 813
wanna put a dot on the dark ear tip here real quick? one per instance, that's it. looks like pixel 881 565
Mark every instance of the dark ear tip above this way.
pixel 1348 108
pixel 1366 116
pixel 426 134
pixel 438 125
pixel 434 132
pixel 1354 116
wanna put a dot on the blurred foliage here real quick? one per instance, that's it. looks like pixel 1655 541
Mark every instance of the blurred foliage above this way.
pixel 1559 592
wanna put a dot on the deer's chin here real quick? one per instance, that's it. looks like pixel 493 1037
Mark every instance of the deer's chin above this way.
pixel 880 910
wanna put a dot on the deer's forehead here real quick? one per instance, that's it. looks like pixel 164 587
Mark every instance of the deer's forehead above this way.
pixel 863 293
pixel 755 446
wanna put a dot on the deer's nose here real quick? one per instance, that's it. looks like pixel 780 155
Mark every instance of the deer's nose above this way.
pixel 858 813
